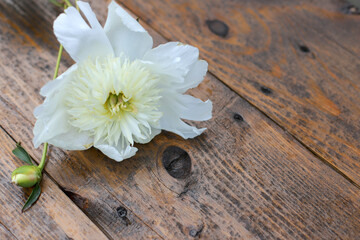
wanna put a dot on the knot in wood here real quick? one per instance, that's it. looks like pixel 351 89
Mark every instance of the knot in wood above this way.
pixel 265 90
pixel 304 48
pixel 218 27
pixel 177 162
pixel 238 117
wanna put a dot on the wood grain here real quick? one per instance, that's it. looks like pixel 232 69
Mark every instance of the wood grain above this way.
pixel 102 205
pixel 5 233
pixel 298 62
pixel 249 179
pixel 53 217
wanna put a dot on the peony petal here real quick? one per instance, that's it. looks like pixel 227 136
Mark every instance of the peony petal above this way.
pixel 172 110
pixel 55 85
pixel 173 60
pixel 89 14
pixel 118 153
pixel 171 123
pixel 78 39
pixel 52 118
pixel 49 123
pixel 194 77
pixel 51 115
pixel 126 35
pixel 194 108
pixel 149 136
pixel 179 69
pixel 72 140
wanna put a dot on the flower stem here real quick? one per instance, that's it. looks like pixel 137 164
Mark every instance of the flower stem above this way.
pixel 56 73
pixel 43 158
pixel 58 62
pixel 68 3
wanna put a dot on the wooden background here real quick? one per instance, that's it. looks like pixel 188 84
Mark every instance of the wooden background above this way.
pixel 280 158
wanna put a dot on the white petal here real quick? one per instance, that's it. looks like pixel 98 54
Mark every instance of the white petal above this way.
pixel 89 14
pixel 149 136
pixel 119 152
pixel 78 39
pixel 126 34
pixel 56 85
pixel 49 123
pixel 194 77
pixel 55 130
pixel 194 108
pixel 51 115
pixel 72 140
pixel 173 60
pixel 175 107
pixel 170 122
pixel 52 119
pixel 179 69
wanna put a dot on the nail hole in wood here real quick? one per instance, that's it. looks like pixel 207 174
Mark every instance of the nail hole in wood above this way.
pixel 265 90
pixel 218 27
pixel 193 233
pixel 196 232
pixel 238 117
pixel 177 162
pixel 121 211
pixel 304 48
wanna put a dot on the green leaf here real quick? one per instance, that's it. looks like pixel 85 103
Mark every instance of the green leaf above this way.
pixel 33 197
pixel 56 3
pixel 21 153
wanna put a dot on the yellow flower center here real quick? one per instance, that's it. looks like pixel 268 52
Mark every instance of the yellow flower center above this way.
pixel 119 102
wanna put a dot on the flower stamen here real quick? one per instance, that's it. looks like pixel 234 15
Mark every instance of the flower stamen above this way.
pixel 118 102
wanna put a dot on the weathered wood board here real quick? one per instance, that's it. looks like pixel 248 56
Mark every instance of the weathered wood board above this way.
pixel 54 216
pixel 248 179
pixel 297 61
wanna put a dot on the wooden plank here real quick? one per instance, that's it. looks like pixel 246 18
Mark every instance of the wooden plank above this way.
pixel 18 31
pixel 249 178
pixel 5 233
pixel 298 62
pixel 53 217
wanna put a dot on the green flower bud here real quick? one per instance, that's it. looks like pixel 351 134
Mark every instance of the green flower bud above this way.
pixel 26 176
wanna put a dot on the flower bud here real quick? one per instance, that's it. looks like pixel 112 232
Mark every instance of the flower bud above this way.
pixel 26 176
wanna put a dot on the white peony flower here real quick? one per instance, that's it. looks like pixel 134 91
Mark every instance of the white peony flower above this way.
pixel 120 90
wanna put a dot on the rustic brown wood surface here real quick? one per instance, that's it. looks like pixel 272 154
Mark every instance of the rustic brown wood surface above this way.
pixel 297 61
pixel 249 178
pixel 54 216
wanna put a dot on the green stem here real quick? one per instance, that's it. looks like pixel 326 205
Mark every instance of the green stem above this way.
pixel 68 3
pixel 58 62
pixel 43 158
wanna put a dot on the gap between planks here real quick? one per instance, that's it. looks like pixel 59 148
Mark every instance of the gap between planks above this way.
pixel 7 229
